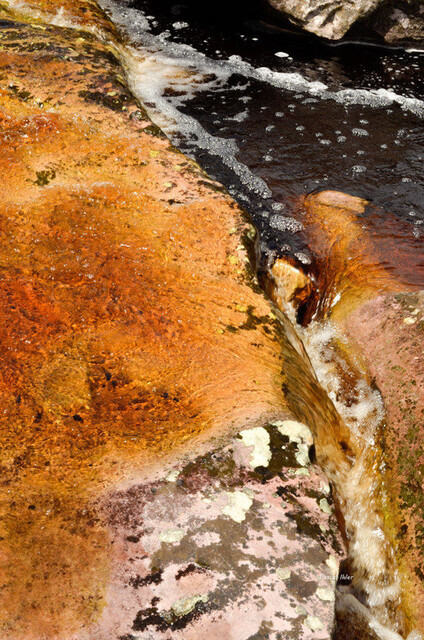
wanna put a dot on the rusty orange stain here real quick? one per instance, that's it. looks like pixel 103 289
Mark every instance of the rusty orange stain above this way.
pixel 360 251
pixel 129 325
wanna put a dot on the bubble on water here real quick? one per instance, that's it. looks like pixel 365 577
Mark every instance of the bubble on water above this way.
pixel 303 257
pixel 278 206
pixel 282 54
pixel 300 128
pixel 402 133
pixel 284 223
pixel 180 25
pixel 270 127
pixel 358 168
pixel 240 117
pixel 323 141
pixel 360 132
pixel 341 138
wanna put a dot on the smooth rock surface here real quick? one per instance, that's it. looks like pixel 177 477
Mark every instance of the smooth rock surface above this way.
pixel 224 550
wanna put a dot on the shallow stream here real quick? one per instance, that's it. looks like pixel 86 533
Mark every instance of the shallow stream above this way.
pixel 273 116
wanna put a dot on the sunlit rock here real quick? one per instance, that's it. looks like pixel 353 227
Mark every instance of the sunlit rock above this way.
pixel 327 19
pixel 368 278
pixel 133 331
pixel 332 20
pixel 251 556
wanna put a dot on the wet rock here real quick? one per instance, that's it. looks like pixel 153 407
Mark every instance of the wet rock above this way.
pixel 369 278
pixel 225 552
pixel 133 332
pixel 359 252
pixel 388 334
pixel 399 22
pixel 394 21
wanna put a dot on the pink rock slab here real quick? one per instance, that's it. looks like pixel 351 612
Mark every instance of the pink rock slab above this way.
pixel 224 551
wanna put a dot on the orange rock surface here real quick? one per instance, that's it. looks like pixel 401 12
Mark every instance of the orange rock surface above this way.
pixel 368 275
pixel 360 252
pixel 131 324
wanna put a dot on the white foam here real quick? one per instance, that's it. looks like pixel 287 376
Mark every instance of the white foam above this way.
pixel 285 223
pixel 134 24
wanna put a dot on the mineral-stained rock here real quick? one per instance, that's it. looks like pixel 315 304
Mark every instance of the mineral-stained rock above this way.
pixel 360 251
pixel 223 549
pixel 132 331
pixel 388 333
pixel 368 283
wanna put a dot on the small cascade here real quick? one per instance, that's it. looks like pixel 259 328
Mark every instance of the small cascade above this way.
pixel 167 76
pixel 369 584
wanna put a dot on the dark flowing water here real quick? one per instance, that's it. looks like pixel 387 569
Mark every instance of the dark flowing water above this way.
pixel 275 115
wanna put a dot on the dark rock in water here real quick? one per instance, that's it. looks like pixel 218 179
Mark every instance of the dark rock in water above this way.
pixel 399 22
